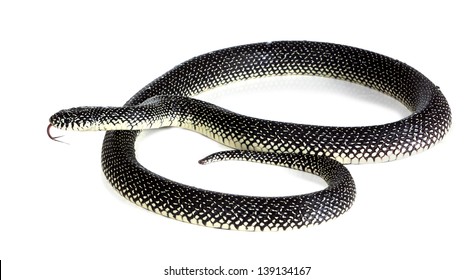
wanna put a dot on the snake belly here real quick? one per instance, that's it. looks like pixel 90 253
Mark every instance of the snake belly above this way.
pixel 315 149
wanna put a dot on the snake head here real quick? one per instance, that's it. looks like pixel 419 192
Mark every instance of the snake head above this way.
pixel 78 118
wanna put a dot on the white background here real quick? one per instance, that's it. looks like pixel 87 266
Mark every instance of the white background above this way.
pixel 60 219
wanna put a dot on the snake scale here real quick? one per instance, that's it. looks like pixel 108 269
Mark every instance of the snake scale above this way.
pixel 321 150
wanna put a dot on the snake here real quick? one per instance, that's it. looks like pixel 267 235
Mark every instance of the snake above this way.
pixel 320 150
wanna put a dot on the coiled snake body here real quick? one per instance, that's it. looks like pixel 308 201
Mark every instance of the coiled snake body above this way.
pixel 316 149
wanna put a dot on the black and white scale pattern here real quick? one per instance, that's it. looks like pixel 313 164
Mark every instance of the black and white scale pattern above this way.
pixel 287 144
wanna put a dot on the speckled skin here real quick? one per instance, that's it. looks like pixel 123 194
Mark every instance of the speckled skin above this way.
pixel 304 147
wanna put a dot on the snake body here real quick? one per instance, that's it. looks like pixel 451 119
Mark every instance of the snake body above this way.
pixel 316 149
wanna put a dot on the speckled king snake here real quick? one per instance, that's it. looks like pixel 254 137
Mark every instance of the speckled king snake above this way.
pixel 167 101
